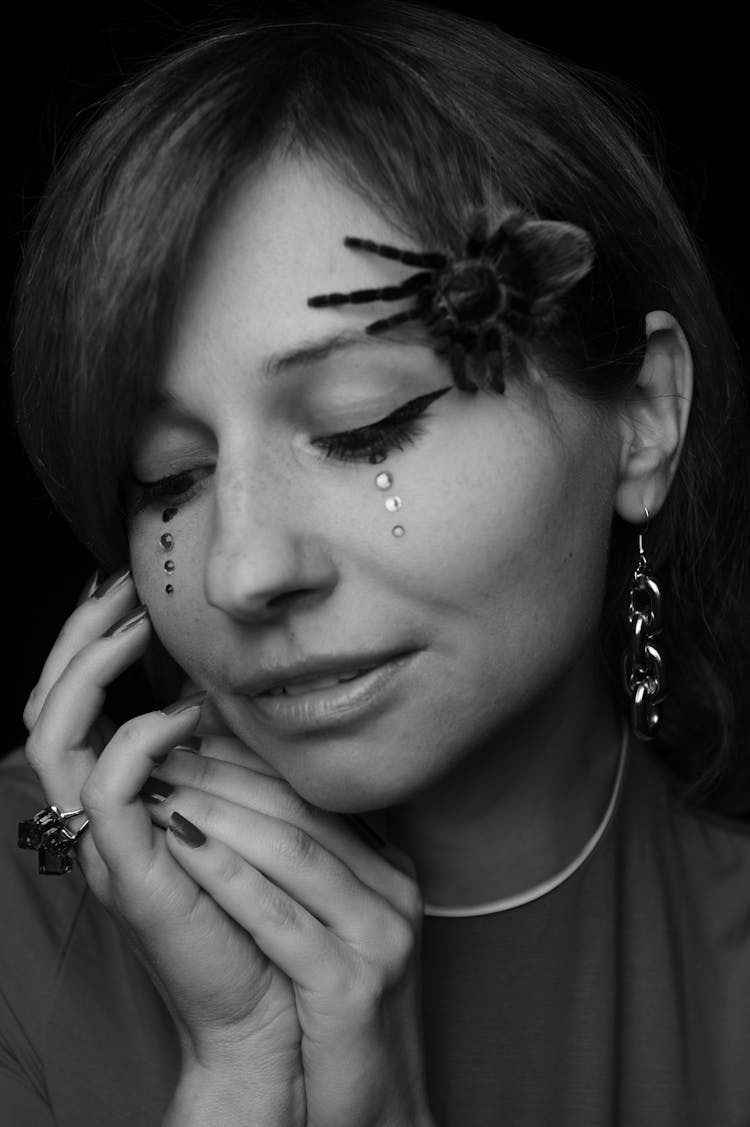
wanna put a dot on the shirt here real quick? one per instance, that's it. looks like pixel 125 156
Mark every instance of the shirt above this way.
pixel 621 998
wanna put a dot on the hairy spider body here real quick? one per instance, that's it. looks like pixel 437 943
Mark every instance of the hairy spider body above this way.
pixel 477 308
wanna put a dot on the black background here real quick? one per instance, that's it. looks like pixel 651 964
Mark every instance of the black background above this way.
pixel 689 65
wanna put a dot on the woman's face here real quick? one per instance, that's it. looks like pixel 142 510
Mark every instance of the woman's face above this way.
pixel 286 565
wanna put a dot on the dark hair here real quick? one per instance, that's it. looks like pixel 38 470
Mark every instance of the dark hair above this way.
pixel 427 115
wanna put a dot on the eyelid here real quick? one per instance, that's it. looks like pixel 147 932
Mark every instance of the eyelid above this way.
pixel 393 417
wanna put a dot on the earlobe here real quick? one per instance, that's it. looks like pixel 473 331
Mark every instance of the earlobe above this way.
pixel 653 421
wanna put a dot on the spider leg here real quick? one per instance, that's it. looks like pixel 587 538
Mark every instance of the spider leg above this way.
pixel 432 259
pixel 396 319
pixel 385 293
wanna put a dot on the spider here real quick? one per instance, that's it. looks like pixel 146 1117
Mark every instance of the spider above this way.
pixel 478 307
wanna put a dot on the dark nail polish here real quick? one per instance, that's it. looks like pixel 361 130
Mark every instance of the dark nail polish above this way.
pixel 366 832
pixel 89 589
pixel 195 700
pixel 112 581
pixel 155 790
pixel 127 622
pixel 192 743
pixel 186 831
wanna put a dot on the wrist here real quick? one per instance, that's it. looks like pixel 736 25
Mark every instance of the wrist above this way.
pixel 235 1097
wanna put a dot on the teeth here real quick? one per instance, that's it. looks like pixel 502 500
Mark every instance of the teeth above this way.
pixel 297 688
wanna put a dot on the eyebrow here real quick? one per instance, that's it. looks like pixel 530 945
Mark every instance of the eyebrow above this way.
pixel 311 352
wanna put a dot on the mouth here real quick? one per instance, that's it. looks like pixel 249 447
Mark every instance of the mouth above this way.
pixel 333 698
pixel 304 685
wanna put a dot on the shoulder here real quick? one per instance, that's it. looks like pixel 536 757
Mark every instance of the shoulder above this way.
pixel 39 912
pixel 696 864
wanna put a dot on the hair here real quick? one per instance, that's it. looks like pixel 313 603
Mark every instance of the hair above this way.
pixel 428 115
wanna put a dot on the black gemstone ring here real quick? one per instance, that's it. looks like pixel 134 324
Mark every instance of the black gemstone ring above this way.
pixel 48 834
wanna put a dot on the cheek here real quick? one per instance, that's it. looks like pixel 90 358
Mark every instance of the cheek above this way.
pixel 513 523
pixel 165 563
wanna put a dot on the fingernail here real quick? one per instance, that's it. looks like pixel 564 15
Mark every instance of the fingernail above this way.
pixel 89 589
pixel 195 700
pixel 112 581
pixel 366 832
pixel 192 743
pixel 127 622
pixel 155 790
pixel 186 831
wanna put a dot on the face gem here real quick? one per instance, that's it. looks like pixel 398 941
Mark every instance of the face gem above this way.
pixel 383 480
pixel 169 565
pixel 169 589
pixel 167 541
pixel 393 504
pixel 398 530
pixel 168 514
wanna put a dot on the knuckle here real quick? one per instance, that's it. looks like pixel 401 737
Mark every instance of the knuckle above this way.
pixel 93 797
pixel 296 846
pixel 278 908
pixel 411 900
pixel 395 939
pixel 34 752
pixel 293 807
pixel 231 867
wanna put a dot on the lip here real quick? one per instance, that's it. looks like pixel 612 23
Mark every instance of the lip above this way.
pixel 338 705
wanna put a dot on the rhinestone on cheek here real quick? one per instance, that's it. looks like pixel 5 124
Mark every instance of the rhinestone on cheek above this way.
pixel 169 565
pixel 167 541
pixel 393 504
pixel 169 514
pixel 383 480
pixel 398 530
pixel 169 589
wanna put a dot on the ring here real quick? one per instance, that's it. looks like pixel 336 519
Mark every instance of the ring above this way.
pixel 48 834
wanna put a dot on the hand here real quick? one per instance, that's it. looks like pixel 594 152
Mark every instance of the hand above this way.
pixel 338 918
pixel 230 1003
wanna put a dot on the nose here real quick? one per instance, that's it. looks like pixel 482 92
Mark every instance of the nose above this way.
pixel 265 557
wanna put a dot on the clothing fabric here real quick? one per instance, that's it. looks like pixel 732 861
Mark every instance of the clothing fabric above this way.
pixel 619 999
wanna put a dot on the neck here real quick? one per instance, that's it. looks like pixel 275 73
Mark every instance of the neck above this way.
pixel 520 808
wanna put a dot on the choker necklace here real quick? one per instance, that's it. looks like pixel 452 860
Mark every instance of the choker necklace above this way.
pixel 545 886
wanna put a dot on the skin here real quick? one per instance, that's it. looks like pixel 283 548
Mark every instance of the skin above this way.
pixel 284 553
pixel 286 946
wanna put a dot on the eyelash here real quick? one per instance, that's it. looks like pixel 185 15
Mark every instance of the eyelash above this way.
pixel 371 443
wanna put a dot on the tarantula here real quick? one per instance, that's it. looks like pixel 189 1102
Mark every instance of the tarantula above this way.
pixel 506 288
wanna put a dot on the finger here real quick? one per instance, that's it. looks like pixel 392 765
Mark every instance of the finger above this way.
pixel 292 938
pixel 89 587
pixel 59 747
pixel 119 824
pixel 239 783
pixel 106 605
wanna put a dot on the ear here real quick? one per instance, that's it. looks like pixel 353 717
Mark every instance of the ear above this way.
pixel 654 419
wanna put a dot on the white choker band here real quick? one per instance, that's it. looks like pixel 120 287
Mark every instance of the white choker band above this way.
pixel 538 890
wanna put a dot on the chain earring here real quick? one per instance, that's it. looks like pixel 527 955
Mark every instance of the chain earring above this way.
pixel 643 668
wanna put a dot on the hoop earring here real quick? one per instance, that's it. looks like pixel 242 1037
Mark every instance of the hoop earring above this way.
pixel 643 668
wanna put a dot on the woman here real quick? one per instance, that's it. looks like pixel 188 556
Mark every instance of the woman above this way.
pixel 360 349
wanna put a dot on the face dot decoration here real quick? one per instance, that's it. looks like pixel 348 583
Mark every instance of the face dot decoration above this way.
pixel 166 543
pixel 383 481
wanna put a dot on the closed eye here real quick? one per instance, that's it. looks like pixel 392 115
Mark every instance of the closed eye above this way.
pixel 373 443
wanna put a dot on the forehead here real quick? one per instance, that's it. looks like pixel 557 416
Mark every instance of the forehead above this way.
pixel 277 240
